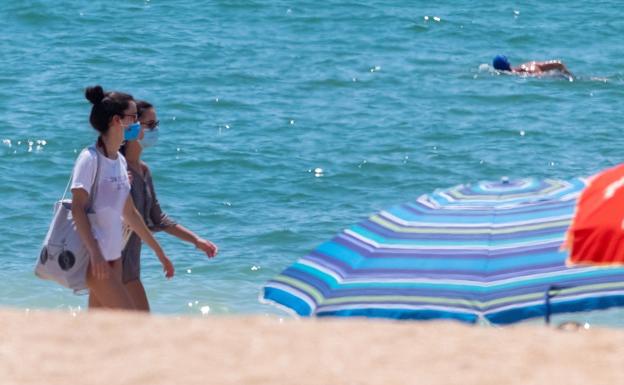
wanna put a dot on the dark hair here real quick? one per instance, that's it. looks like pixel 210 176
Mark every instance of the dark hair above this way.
pixel 142 106
pixel 105 106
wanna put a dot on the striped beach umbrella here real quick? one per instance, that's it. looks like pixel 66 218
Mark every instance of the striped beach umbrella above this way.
pixel 488 251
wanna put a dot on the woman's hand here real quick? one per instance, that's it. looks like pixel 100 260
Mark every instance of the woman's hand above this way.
pixel 99 267
pixel 187 235
pixel 167 266
pixel 207 247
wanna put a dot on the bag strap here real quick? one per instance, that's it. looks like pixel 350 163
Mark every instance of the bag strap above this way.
pixel 94 186
pixel 67 186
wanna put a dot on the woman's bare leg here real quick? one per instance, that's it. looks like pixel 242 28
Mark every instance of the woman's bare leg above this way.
pixel 109 293
pixel 137 294
pixel 93 301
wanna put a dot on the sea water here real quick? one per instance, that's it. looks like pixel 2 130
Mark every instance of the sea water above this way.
pixel 284 122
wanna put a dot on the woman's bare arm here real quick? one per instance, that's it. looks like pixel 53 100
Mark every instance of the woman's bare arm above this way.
pixel 554 65
pixel 135 221
pixel 185 234
pixel 80 202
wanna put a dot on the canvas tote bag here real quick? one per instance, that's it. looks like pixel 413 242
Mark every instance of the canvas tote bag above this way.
pixel 64 258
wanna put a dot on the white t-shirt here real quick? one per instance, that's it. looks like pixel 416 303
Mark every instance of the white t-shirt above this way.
pixel 110 197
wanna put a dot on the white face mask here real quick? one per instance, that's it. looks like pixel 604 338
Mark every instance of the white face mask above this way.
pixel 150 138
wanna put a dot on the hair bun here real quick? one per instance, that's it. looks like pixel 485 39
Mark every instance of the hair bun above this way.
pixel 94 94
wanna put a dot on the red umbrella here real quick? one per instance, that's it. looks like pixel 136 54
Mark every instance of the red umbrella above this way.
pixel 596 236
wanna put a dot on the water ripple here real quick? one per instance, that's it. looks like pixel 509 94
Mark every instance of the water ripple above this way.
pixel 253 97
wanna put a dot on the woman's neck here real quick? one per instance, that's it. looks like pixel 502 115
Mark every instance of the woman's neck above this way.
pixel 110 147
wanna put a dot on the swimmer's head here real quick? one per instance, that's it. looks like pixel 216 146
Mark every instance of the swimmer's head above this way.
pixel 501 63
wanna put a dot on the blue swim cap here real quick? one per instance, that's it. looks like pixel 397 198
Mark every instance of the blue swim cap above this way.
pixel 501 63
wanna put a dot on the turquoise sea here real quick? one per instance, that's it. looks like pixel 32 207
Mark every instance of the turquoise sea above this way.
pixel 389 101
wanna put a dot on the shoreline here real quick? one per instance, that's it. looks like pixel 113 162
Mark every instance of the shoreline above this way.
pixel 112 347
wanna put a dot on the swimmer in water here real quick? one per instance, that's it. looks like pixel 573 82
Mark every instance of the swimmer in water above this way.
pixel 532 68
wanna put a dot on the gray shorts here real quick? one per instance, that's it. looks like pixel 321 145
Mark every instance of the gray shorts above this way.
pixel 131 258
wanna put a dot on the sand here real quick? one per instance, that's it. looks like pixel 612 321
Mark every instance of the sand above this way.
pixel 44 347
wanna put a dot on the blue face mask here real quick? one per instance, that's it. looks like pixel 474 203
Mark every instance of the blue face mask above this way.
pixel 150 138
pixel 132 131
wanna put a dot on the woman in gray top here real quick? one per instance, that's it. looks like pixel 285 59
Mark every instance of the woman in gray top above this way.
pixel 145 200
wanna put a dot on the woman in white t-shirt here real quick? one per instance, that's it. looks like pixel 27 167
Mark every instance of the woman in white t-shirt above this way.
pixel 114 116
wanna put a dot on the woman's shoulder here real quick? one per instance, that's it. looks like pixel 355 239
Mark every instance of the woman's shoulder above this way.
pixel 146 169
pixel 122 159
pixel 89 151
pixel 88 155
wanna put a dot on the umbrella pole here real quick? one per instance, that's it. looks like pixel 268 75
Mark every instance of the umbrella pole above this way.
pixel 552 291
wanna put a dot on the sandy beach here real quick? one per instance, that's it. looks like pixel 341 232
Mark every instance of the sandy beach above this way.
pixel 42 347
